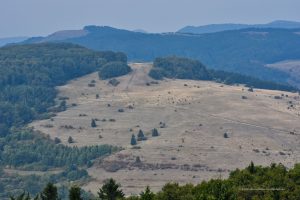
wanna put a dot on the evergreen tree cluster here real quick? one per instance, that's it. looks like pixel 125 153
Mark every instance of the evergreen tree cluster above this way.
pixel 28 150
pixel 141 136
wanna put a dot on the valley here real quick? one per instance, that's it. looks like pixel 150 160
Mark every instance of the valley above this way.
pixel 191 117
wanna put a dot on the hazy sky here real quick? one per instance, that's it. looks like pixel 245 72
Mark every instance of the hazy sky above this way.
pixel 41 17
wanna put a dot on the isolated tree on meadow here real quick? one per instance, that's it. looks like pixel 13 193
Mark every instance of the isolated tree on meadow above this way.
pixel 93 123
pixel 141 135
pixel 70 140
pixel 155 132
pixel 110 191
pixel 133 140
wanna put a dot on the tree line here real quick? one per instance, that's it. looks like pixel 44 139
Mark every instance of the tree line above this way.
pixel 185 68
pixel 275 182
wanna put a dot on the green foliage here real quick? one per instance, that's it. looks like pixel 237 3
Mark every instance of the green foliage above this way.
pixel 70 140
pixel 49 192
pixel 241 51
pixel 75 193
pixel 114 69
pixel 133 140
pixel 231 78
pixel 29 74
pixel 254 182
pixel 141 136
pixel 28 150
pixel 181 68
pixel 15 184
pixel 110 191
pixel 184 68
pixel 155 132
pixel 93 123
pixel 147 194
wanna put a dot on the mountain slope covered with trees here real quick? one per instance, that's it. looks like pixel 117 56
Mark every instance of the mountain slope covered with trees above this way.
pixel 29 74
pixel 245 51
pixel 184 68
pixel 28 77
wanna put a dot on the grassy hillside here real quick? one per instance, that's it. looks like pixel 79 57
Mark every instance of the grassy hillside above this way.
pixel 242 51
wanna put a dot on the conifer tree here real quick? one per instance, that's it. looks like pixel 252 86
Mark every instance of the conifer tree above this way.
pixel 75 193
pixel 49 192
pixel 147 194
pixel 110 191
pixel 141 136
pixel 133 140
pixel 93 123
pixel 155 132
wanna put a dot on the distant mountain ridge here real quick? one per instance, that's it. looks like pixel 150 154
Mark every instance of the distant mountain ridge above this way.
pixel 9 40
pixel 245 51
pixel 213 28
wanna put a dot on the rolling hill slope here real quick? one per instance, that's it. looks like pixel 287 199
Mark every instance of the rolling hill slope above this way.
pixel 192 118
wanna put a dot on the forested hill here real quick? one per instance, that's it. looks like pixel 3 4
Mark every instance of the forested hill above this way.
pixel 184 68
pixel 212 28
pixel 243 51
pixel 29 73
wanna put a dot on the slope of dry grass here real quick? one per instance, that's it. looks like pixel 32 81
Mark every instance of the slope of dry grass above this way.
pixel 191 147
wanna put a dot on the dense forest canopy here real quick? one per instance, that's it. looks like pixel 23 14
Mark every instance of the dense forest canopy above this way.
pixel 181 68
pixel 184 68
pixel 113 69
pixel 29 73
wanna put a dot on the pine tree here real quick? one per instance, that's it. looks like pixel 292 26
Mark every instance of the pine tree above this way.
pixel 147 194
pixel 133 140
pixel 141 136
pixel 110 191
pixel 155 132
pixel 75 193
pixel 70 140
pixel 49 193
pixel 93 123
pixel 251 168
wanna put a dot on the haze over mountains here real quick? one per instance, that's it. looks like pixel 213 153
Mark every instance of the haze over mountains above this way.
pixel 247 51
pixel 8 40
pixel 212 28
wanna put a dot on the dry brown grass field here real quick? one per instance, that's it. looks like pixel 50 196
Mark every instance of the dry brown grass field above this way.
pixel 191 116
